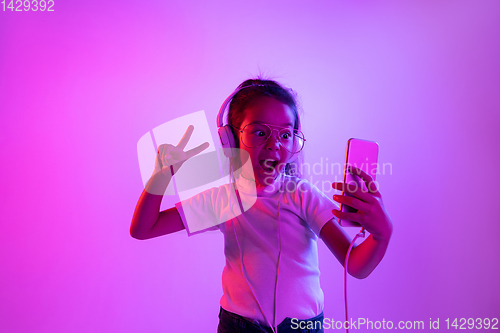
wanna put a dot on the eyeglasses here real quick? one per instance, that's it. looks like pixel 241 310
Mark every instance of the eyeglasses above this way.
pixel 256 134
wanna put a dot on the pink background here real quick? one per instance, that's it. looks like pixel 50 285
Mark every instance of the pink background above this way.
pixel 79 86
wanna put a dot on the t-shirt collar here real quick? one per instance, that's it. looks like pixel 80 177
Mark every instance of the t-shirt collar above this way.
pixel 248 186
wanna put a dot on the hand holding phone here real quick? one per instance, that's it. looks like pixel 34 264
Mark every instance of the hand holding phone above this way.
pixel 363 155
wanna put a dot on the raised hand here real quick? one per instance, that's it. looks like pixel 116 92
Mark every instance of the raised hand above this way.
pixel 170 158
pixel 371 213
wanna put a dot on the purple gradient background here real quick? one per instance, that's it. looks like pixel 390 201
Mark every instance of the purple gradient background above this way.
pixel 80 86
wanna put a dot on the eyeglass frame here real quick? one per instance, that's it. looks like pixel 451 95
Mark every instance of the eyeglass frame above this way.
pixel 270 134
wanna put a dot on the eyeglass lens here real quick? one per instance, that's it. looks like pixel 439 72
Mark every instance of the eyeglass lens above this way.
pixel 255 135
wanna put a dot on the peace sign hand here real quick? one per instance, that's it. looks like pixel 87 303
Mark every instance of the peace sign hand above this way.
pixel 371 212
pixel 170 158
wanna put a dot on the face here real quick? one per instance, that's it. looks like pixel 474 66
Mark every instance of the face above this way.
pixel 270 158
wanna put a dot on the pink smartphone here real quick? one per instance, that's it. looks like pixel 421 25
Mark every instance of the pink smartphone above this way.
pixel 363 155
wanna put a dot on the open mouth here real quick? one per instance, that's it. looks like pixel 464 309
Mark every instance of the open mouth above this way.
pixel 268 165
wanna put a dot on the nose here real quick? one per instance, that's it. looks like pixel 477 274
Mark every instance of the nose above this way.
pixel 273 143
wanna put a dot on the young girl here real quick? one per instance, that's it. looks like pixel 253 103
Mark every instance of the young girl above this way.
pixel 270 217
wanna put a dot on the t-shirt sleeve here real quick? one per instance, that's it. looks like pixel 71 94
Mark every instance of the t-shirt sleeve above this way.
pixel 316 207
pixel 198 213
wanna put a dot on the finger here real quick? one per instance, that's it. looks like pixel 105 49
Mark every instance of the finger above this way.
pixel 165 159
pixel 167 153
pixel 164 149
pixel 353 217
pixel 186 137
pixel 197 150
pixel 351 202
pixel 164 154
pixel 370 183
pixel 355 190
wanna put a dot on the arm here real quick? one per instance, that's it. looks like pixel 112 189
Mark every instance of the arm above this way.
pixel 372 216
pixel 363 258
pixel 147 221
pixel 366 256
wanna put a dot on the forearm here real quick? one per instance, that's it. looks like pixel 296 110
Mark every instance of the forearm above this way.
pixel 366 256
pixel 148 207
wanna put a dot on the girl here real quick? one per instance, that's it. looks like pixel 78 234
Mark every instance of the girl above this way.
pixel 270 217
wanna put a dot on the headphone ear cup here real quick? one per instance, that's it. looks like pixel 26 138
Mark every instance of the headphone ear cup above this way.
pixel 227 140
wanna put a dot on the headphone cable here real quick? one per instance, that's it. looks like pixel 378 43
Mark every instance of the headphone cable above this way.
pixel 361 234
pixel 243 270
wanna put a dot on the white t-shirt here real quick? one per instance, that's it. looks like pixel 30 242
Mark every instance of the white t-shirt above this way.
pixel 304 210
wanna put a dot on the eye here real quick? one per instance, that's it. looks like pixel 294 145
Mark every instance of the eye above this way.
pixel 259 133
pixel 286 135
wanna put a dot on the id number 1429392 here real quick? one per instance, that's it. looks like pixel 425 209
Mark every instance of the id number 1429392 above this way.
pixel 28 5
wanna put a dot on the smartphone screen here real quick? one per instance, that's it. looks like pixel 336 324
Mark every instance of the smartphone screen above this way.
pixel 363 155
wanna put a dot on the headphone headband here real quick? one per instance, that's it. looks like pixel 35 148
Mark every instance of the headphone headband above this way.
pixel 225 133
pixel 220 116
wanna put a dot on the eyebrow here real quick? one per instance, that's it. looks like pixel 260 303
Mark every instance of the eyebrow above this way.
pixel 283 125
